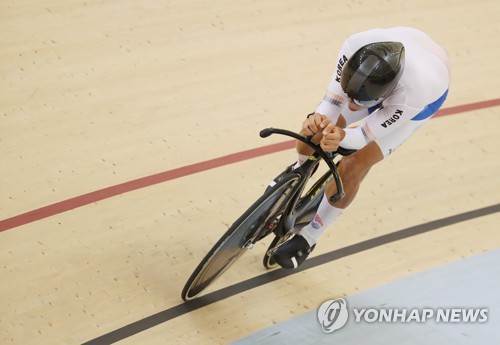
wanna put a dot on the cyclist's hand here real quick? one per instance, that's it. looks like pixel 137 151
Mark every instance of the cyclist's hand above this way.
pixel 314 124
pixel 332 135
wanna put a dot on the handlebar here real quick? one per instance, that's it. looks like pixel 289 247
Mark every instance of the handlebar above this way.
pixel 326 156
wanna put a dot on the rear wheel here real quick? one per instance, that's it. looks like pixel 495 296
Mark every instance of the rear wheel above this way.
pixel 257 222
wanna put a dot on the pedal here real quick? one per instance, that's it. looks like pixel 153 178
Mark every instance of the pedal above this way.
pixel 271 252
pixel 287 236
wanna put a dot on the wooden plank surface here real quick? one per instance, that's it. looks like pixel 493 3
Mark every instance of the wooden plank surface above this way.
pixel 96 94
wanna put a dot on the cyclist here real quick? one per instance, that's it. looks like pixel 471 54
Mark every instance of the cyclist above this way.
pixel 394 80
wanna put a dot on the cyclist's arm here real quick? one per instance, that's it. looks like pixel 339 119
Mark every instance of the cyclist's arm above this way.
pixel 377 125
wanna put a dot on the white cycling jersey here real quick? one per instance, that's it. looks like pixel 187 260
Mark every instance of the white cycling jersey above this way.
pixel 422 89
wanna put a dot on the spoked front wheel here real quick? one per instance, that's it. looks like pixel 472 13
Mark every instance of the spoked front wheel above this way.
pixel 253 225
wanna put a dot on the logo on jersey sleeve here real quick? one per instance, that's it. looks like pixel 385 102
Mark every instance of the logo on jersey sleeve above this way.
pixel 397 115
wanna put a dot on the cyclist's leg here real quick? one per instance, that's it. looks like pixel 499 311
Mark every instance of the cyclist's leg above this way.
pixel 293 252
pixel 353 169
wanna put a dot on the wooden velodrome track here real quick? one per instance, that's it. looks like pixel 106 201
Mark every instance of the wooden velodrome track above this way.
pixel 123 131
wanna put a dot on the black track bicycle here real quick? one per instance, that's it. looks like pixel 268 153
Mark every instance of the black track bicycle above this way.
pixel 283 210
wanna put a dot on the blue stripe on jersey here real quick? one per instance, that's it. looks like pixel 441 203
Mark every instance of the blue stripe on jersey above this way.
pixel 431 109
pixel 375 107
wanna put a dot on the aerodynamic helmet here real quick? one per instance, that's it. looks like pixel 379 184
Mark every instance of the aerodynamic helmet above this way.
pixel 372 72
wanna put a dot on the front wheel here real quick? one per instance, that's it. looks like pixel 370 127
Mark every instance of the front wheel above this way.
pixel 238 238
pixel 268 260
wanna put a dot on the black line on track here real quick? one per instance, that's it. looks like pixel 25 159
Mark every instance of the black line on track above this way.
pixel 216 296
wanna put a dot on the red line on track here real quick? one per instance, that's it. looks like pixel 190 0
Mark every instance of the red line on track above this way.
pixel 85 199
pixel 468 107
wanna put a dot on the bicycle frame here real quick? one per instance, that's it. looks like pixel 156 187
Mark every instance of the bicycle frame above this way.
pixel 295 211
pixel 288 220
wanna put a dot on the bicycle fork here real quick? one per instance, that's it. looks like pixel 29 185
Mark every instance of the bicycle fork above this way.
pixel 270 224
pixel 304 212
